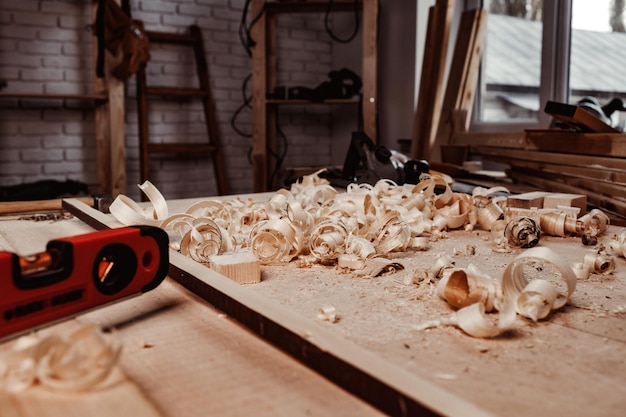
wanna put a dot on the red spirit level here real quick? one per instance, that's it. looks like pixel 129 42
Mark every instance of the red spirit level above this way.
pixel 79 273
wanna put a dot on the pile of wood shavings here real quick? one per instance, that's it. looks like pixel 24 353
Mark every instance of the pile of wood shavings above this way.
pixel 78 362
pixel 312 223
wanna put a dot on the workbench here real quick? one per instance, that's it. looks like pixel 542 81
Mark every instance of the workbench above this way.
pixel 183 357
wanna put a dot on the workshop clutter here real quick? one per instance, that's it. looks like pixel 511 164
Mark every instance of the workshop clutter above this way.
pixel 342 84
pixel 313 223
pixel 124 38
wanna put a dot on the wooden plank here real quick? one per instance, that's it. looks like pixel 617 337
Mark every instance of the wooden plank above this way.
pixel 600 144
pixel 242 267
pixel 11 207
pixel 533 199
pixel 180 357
pixel 583 184
pixel 431 87
pixel 385 386
pixel 462 80
pixel 515 140
pixel 556 200
pixel 599 200
pixel 369 69
pixel 580 347
pixel 578 171
pixel 607 165
pixel 259 89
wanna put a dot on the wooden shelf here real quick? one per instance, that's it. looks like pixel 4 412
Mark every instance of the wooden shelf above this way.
pixel 325 102
pixel 264 56
pixel 310 6
pixel 98 98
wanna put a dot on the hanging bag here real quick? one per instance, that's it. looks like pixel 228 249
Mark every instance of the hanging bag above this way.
pixel 124 38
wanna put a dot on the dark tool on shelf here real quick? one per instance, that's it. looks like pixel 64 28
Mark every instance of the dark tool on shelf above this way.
pixel 368 163
pixel 342 84
pixel 77 274
pixel 585 116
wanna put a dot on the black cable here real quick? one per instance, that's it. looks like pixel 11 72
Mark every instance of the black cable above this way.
pixel 248 43
pixel 247 99
pixel 280 157
pixel 245 35
pixel 329 30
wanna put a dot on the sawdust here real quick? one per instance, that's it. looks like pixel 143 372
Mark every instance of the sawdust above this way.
pixel 382 315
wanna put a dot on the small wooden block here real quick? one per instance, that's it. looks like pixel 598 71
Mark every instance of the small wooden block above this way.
pixel 566 200
pixel 533 199
pixel 242 267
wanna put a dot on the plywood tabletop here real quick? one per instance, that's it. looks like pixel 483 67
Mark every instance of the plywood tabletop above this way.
pixel 180 357
pixel 187 358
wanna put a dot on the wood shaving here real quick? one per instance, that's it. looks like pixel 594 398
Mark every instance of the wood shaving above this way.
pixel 77 362
pixel 314 223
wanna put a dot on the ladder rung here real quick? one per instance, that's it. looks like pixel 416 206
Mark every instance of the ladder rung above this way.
pixel 181 148
pixel 175 92
pixel 178 38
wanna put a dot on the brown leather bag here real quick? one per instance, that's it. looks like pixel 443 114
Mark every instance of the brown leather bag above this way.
pixel 123 37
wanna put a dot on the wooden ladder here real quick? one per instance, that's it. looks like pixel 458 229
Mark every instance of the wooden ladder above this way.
pixel 194 40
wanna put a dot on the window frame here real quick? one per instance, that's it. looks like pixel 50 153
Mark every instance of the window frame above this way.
pixel 555 63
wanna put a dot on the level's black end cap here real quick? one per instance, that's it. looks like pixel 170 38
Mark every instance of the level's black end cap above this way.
pixel 162 240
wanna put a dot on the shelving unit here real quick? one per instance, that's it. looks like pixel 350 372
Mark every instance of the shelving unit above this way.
pixel 108 103
pixel 264 73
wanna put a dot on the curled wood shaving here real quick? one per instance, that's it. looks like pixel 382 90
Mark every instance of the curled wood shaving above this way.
pixel 617 245
pixel 328 240
pixel 489 214
pixel 599 262
pixel 559 224
pixel 275 241
pixel 78 362
pixel 499 239
pixel 442 262
pixel 595 222
pixel 473 321
pixel 523 232
pixel 204 239
pixel 580 270
pixel 376 267
pixel 350 262
pixel 462 287
pixel 531 298
pixel 519 272
pixel 537 299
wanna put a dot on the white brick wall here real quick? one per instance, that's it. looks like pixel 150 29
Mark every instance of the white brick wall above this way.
pixel 44 47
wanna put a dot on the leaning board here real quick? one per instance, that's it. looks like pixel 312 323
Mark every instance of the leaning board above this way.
pixel 571 364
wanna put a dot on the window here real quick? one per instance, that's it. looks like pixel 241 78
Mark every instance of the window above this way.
pixel 537 51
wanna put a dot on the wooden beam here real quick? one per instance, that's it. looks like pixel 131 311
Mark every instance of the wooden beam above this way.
pixel 462 80
pixel 431 88
pixel 259 89
pixel 369 69
pixel 110 128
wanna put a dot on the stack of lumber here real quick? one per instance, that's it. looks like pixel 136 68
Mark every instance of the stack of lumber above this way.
pixel 439 113
pixel 593 164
